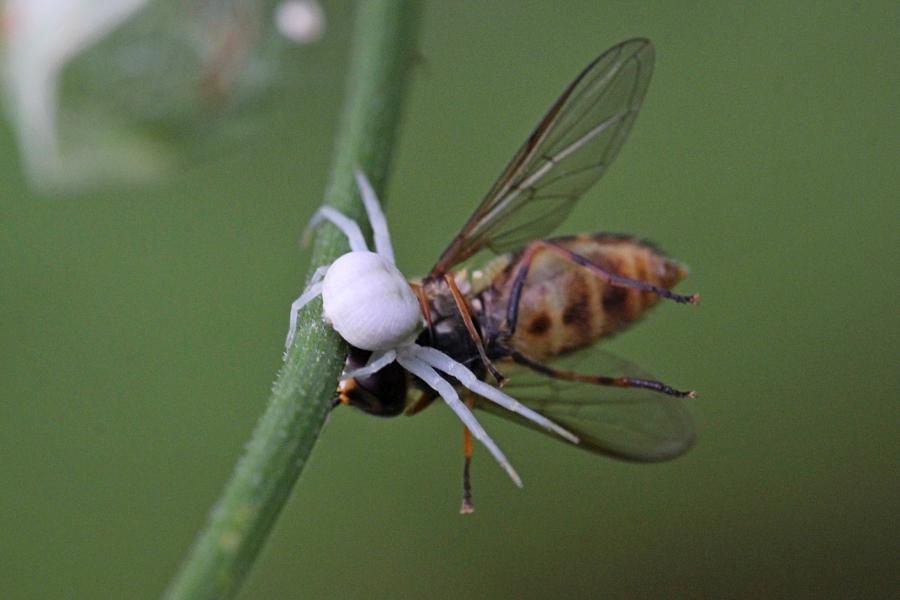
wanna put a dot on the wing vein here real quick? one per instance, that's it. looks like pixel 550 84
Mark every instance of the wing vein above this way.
pixel 583 130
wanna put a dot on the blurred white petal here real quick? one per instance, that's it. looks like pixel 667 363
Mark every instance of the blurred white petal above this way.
pixel 301 21
pixel 122 91
pixel 40 37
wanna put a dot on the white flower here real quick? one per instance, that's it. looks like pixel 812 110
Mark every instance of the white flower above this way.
pixel 40 37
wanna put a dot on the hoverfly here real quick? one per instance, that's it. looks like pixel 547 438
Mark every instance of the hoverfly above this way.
pixel 537 310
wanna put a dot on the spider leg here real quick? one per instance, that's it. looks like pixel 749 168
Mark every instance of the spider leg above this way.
pixel 377 361
pixel 423 371
pixel 380 232
pixel 348 227
pixel 313 289
pixel 440 361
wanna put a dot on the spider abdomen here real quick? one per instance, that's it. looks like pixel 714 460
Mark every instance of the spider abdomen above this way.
pixel 369 302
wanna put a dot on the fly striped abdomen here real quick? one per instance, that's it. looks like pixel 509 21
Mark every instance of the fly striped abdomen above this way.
pixel 564 306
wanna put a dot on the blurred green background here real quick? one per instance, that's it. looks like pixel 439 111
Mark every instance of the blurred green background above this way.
pixel 140 329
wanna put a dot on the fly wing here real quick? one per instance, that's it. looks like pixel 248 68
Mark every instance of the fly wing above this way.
pixel 626 423
pixel 566 154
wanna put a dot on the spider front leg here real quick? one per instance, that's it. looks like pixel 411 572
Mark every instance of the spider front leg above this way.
pixel 422 361
pixel 442 362
pixel 432 379
pixel 357 242
pixel 313 289
pixel 349 228
pixel 377 220
pixel 377 361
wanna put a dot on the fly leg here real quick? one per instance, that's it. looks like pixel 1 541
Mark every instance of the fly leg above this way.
pixel 512 312
pixel 426 309
pixel 421 403
pixel 467 506
pixel 623 382
pixel 465 312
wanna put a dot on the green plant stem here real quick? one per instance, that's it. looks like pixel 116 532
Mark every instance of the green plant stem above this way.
pixel 240 522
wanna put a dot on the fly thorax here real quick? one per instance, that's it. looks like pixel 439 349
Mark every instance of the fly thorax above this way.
pixel 369 302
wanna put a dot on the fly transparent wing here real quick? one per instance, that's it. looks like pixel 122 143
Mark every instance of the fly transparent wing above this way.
pixel 626 423
pixel 566 154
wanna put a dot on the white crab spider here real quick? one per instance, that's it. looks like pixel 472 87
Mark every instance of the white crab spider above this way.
pixel 369 302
